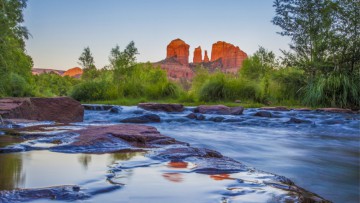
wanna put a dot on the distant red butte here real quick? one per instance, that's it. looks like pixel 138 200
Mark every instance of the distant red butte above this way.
pixel 75 72
pixel 224 56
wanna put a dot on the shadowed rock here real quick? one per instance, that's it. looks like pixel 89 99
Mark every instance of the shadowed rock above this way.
pixel 219 109
pixel 335 110
pixel 162 107
pixel 147 118
pixel 296 120
pixel 275 108
pixel 263 114
pixel 97 107
pixel 59 109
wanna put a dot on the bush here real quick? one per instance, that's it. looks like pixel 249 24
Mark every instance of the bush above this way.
pixel 335 89
pixel 93 90
pixel 15 85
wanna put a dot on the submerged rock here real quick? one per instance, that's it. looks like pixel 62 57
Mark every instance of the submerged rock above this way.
pixel 335 110
pixel 196 116
pixel 115 109
pixel 219 109
pixel 275 108
pixel 147 118
pixel 263 114
pixel 297 120
pixel 59 109
pixel 162 107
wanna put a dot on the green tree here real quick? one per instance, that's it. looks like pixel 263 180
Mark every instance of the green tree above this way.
pixel 86 60
pixel 15 64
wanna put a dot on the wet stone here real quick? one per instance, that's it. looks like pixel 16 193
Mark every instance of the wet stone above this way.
pixel 147 118
pixel 115 109
pixel 297 120
pixel 263 114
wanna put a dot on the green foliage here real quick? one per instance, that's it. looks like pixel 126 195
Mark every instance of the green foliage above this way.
pixel 335 89
pixel 50 84
pixel 15 64
pixel 226 87
pixel 92 91
pixel 86 60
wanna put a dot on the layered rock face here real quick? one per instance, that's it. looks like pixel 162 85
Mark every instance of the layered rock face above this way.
pixel 179 50
pixel 197 55
pixel 224 56
pixel 73 72
pixel 59 109
pixel 231 56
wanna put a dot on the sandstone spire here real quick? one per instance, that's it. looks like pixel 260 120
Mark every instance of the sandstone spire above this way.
pixel 197 55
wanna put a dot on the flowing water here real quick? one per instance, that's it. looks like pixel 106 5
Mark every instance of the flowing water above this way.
pixel 320 155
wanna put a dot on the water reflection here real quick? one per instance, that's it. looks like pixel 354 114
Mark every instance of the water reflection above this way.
pixel 219 177
pixel 173 177
pixel 85 160
pixel 11 170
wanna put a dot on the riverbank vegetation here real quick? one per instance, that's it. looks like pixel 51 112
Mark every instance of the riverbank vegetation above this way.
pixel 321 68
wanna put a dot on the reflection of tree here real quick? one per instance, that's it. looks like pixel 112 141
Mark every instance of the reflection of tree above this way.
pixel 11 173
pixel 85 160
pixel 123 156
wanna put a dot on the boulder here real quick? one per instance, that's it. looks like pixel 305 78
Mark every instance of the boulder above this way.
pixel 275 108
pixel 217 119
pixel 58 109
pixel 162 107
pixel 180 50
pixel 115 109
pixel 197 55
pixel 263 114
pixel 298 121
pixel 335 110
pixel 219 109
pixel 196 116
pixel 147 118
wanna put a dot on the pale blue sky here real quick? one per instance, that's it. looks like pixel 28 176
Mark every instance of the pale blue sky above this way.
pixel 60 29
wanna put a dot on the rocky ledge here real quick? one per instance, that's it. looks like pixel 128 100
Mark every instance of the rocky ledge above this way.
pixel 58 109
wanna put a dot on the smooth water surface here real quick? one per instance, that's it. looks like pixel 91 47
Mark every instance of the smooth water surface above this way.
pixel 321 156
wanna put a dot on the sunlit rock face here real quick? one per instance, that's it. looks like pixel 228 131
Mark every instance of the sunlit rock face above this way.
pixel 197 55
pixel 73 72
pixel 231 56
pixel 224 56
pixel 180 50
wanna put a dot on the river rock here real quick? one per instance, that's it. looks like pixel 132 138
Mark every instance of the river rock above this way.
pixel 196 116
pixel 263 114
pixel 162 107
pixel 219 109
pixel 147 118
pixel 115 109
pixel 217 119
pixel 334 110
pixel 275 108
pixel 297 120
pixel 58 109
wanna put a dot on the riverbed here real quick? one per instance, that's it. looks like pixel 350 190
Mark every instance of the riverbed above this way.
pixel 320 155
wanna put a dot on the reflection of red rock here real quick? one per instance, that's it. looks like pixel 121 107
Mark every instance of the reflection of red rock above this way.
pixel 180 50
pixel 173 177
pixel 177 164
pixel 197 55
pixel 221 177
pixel 231 56
pixel 206 58
pixel 73 72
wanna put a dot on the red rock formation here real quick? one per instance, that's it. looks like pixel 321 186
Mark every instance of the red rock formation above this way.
pixel 179 50
pixel 197 55
pixel 206 58
pixel 175 70
pixel 73 72
pixel 231 56
pixel 59 109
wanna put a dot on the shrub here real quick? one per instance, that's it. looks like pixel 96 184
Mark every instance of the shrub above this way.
pixel 92 91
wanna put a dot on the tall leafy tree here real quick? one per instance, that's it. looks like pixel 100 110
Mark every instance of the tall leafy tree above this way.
pixel 122 61
pixel 86 60
pixel 15 64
